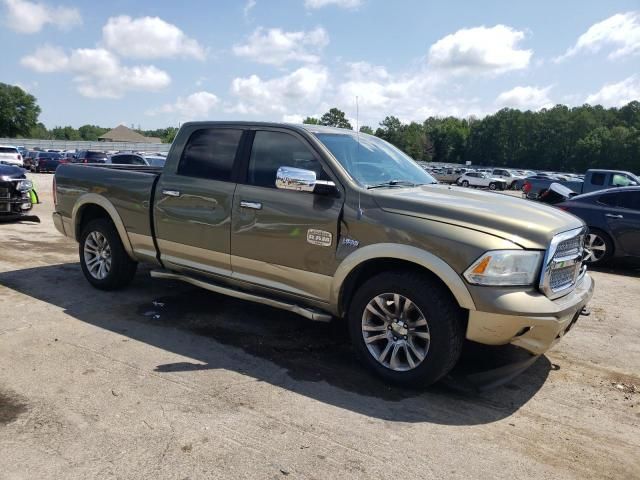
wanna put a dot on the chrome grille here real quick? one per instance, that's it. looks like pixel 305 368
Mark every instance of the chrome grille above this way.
pixel 570 247
pixel 563 263
pixel 4 192
pixel 562 277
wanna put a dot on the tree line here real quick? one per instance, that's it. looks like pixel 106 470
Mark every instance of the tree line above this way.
pixel 558 139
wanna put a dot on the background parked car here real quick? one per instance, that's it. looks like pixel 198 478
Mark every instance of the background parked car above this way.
pixel 28 159
pixel 47 162
pixel 613 218
pixel 91 156
pixel 10 155
pixel 478 179
pixel 137 159
pixel 507 175
pixel 594 180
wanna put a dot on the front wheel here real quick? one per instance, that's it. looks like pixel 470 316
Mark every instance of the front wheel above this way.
pixel 104 261
pixel 492 186
pixel 465 183
pixel 406 327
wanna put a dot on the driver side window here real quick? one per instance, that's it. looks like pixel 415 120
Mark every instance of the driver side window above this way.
pixel 272 150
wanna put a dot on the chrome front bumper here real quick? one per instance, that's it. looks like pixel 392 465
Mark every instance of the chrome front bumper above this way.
pixel 531 321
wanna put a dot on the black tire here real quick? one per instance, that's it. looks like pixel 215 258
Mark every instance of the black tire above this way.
pixel 445 323
pixel 603 240
pixel 492 186
pixel 122 269
pixel 465 183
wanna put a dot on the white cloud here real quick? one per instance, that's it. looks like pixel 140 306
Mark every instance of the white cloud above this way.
pixel 193 107
pixel 293 118
pixel 148 37
pixel 617 94
pixel 276 47
pixel 302 87
pixel 46 59
pixel 491 50
pixel 30 17
pixel 620 31
pixel 98 72
pixel 351 4
pixel 525 98
pixel 246 10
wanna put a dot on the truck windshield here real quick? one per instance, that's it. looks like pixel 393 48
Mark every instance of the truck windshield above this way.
pixel 372 162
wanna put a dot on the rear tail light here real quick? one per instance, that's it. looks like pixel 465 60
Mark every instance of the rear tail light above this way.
pixel 527 187
pixel 19 157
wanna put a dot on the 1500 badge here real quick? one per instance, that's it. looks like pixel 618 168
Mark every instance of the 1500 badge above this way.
pixel 319 237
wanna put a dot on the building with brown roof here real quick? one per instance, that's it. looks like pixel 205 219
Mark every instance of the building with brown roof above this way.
pixel 126 135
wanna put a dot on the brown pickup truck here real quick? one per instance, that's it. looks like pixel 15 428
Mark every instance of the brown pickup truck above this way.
pixel 330 223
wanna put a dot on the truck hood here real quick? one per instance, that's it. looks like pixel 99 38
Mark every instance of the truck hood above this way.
pixel 523 222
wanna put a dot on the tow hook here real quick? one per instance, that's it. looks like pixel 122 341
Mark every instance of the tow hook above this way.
pixel 585 312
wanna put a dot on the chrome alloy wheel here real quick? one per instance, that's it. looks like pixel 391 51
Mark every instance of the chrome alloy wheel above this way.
pixel 395 331
pixel 595 248
pixel 97 255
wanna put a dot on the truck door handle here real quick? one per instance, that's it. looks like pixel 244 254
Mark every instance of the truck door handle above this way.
pixel 253 205
pixel 171 193
pixel 612 215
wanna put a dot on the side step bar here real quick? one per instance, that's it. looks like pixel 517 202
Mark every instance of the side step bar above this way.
pixel 302 311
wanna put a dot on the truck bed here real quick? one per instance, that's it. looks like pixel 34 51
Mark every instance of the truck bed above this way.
pixel 128 187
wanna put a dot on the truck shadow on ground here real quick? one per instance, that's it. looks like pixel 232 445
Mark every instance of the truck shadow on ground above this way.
pixel 309 358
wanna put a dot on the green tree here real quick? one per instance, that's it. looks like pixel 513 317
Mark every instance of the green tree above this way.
pixel 91 132
pixel 65 133
pixel 169 135
pixel 19 111
pixel 311 121
pixel 39 131
pixel 366 129
pixel 335 118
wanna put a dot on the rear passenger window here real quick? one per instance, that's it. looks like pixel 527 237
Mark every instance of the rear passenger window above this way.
pixel 210 153
pixel 630 200
pixel 272 150
pixel 598 178
pixel 609 199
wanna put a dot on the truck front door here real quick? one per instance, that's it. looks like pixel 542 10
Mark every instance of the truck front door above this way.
pixel 193 203
pixel 282 239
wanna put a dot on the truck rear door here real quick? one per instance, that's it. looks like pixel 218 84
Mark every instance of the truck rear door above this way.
pixel 193 201
pixel 282 239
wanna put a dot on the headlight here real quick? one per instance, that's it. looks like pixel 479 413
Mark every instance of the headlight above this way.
pixel 24 185
pixel 505 267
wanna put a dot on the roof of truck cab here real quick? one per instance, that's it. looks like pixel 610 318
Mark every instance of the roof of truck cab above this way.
pixel 295 126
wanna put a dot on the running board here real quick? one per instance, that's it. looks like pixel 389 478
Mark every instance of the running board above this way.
pixel 309 313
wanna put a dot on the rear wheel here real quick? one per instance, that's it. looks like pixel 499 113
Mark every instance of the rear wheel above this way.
pixel 406 327
pixel 104 261
pixel 598 247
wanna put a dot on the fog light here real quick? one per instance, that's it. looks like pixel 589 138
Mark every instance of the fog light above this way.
pixel 25 206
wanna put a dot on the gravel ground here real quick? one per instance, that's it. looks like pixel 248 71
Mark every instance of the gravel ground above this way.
pixel 167 381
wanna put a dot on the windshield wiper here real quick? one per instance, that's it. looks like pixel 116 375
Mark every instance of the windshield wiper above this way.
pixel 394 183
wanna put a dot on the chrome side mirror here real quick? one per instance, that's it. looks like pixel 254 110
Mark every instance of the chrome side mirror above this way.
pixel 301 180
pixel 291 178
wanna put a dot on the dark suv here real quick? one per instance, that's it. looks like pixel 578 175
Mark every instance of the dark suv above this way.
pixel 90 156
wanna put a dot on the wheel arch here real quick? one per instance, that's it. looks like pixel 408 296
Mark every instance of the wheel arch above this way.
pixel 377 258
pixel 91 206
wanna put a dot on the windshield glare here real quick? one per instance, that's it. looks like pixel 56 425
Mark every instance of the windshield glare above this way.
pixel 372 161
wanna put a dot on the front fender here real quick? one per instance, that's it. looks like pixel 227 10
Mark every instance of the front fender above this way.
pixel 408 253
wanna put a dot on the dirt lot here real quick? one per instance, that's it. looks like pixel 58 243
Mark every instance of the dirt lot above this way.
pixel 113 385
